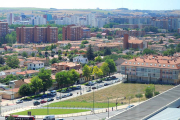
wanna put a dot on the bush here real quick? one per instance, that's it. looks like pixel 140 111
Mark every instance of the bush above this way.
pixel 156 93
pixel 139 95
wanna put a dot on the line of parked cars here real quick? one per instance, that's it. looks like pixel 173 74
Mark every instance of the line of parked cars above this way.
pixel 64 96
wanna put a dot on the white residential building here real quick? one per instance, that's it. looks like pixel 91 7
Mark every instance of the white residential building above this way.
pixel 37 20
pixel 34 65
pixel 80 59
pixel 21 22
pixel 10 18
pixel 91 20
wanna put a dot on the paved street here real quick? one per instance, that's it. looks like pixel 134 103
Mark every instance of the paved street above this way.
pixel 29 104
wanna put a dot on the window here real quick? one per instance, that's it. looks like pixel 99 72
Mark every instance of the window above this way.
pixel 126 62
pixel 164 65
pixel 129 62
pixel 146 63
pixel 159 65
pixel 173 66
pixel 138 63
pixel 142 63
pixel 155 64
pixel 134 63
pixel 150 64
pixel 168 65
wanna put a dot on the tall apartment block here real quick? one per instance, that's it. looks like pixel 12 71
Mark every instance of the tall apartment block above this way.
pixel 37 34
pixel 72 32
pixel 10 18
pixel 3 29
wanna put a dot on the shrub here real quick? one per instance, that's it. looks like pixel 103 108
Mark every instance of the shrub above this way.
pixel 156 93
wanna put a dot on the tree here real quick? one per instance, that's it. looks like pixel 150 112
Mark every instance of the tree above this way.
pixel 97 72
pixel 33 54
pixel 59 57
pixel 99 35
pixel 82 46
pixel 12 61
pixel 171 41
pixel 110 25
pixel 45 76
pixel 54 60
pixel 25 90
pixel 2 61
pixel 24 54
pixel 110 37
pixel 87 72
pixel 161 41
pixel 149 91
pixel 10 118
pixel 148 51
pixel 107 51
pixel 61 78
pixel 36 84
pixel 112 65
pixel 105 68
pixel 139 95
pixel 90 54
pixel 74 76
pixel 84 42
pixel 59 52
pixel 98 59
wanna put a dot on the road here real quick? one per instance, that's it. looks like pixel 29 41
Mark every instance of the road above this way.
pixel 83 90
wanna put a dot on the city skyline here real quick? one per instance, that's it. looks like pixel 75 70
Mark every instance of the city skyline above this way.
pixel 93 4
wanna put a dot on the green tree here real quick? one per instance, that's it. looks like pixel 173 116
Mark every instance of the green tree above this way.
pixel 10 118
pixel 105 68
pixel 99 35
pixel 90 53
pixel 97 72
pixel 24 54
pixel 84 42
pixel 110 37
pixel 25 90
pixel 33 54
pixel 149 91
pixel 59 57
pixel 2 61
pixel 36 84
pixel 82 46
pixel 12 61
pixel 87 72
pixel 107 51
pixel 148 51
pixel 59 52
pixel 61 78
pixel 74 76
pixel 112 65
pixel 45 76
pixel 98 59
pixel 161 41
pixel 139 95
pixel 54 60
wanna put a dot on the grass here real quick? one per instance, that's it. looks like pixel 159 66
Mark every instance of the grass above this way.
pixel 119 91
pixel 81 104
pixel 51 111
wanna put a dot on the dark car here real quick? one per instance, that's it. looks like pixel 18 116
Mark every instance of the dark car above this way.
pixel 43 101
pixel 64 96
pixel 113 77
pixel 105 84
pixel 50 99
pixel 93 87
pixel 36 103
pixel 99 81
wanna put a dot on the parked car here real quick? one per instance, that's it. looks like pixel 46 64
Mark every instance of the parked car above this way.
pixel 93 87
pixel 50 99
pixel 19 101
pixel 88 89
pixel 38 98
pixel 105 84
pixel 69 89
pixel 99 81
pixel 64 96
pixel 60 119
pixel 43 96
pixel 113 77
pixel 130 106
pixel 36 103
pixel 63 91
pixel 43 101
pixel 53 92
pixel 58 97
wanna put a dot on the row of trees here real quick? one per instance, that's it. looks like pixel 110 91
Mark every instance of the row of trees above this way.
pixel 107 67
pixel 42 82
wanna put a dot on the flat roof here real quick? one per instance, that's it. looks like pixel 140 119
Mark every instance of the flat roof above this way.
pixel 150 106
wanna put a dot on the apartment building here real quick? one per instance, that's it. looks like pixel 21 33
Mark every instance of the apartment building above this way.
pixel 179 31
pixel 10 18
pixel 135 33
pixel 72 32
pixel 3 29
pixel 37 34
pixel 37 20
pixel 152 69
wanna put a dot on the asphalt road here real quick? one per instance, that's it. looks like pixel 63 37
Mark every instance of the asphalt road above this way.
pixel 83 90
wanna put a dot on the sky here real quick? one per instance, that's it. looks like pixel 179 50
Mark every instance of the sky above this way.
pixel 93 4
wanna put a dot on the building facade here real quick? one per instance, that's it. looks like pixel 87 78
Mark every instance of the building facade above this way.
pixel 10 18
pixel 3 29
pixel 152 69
pixel 80 59
pixel 37 34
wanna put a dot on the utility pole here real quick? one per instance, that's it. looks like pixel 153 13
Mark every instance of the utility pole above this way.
pixel 108 107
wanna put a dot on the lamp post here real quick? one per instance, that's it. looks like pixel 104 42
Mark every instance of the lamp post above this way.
pixel 108 106
pixel 116 103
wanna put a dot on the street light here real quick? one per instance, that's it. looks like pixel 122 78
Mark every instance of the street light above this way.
pixel 108 106
pixel 116 103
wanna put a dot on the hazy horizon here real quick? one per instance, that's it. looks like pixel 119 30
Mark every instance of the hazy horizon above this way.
pixel 93 4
